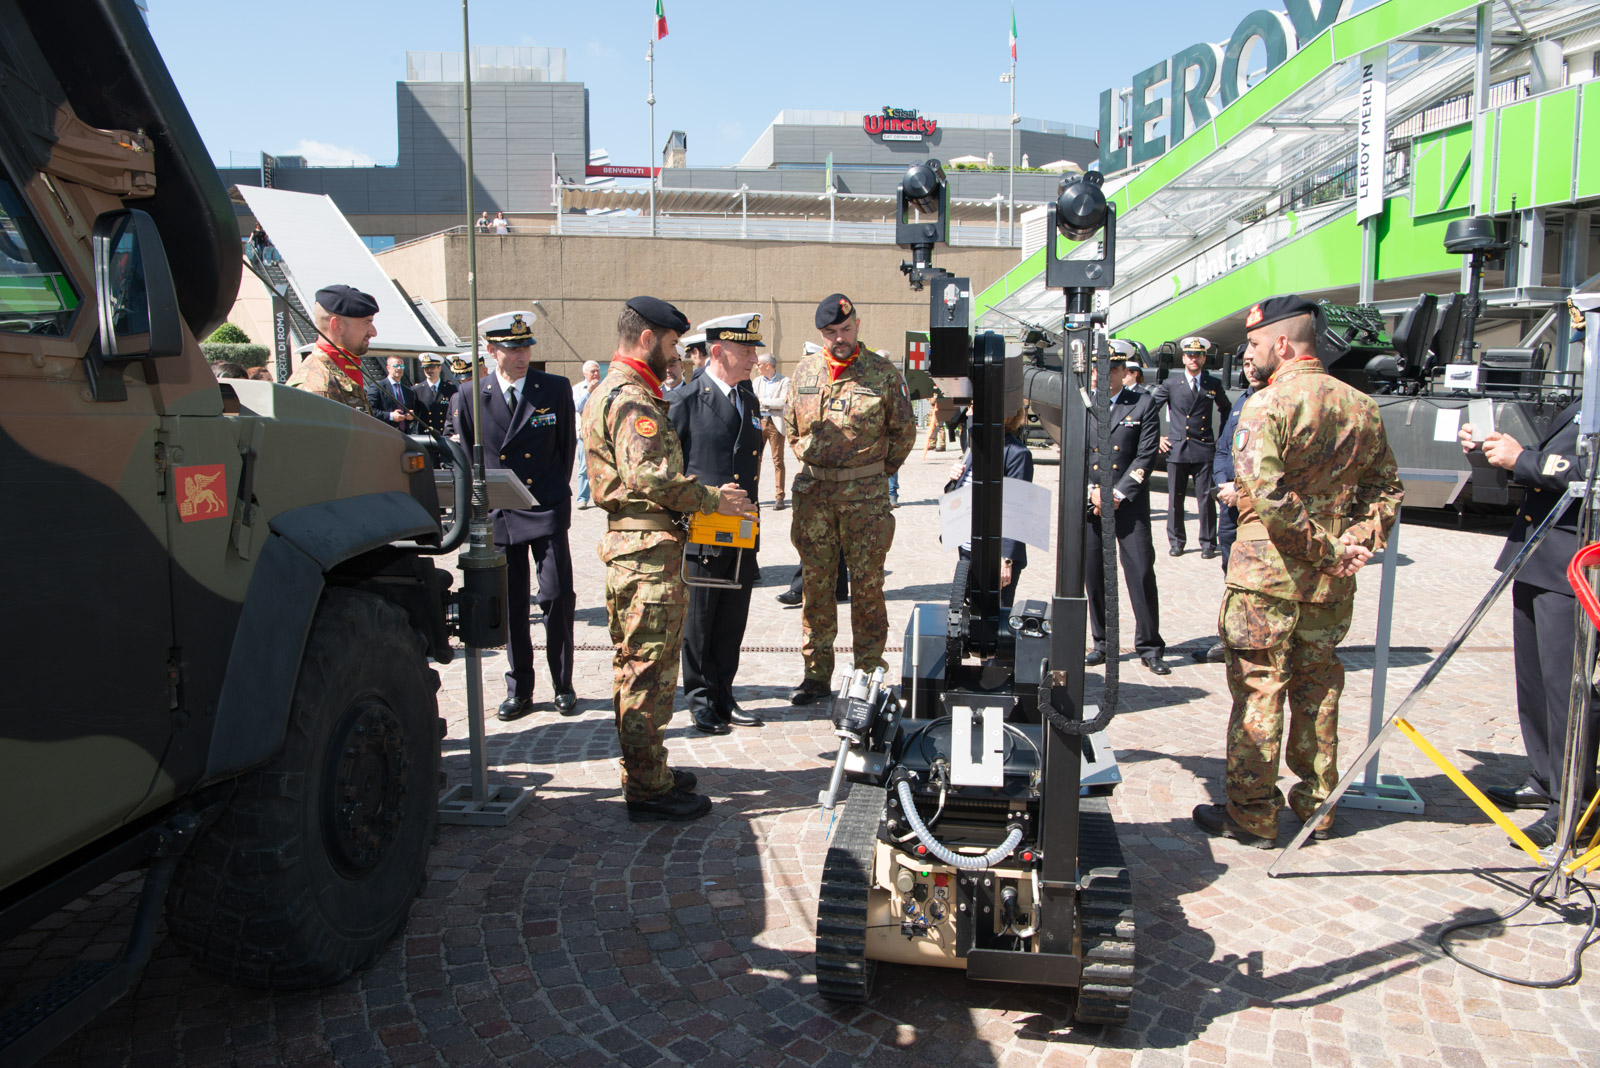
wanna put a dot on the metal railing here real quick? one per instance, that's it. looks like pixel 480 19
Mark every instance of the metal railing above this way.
pixel 723 228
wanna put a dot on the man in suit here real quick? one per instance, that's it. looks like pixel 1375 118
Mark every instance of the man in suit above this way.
pixel 1018 464
pixel 391 399
pixel 1542 614
pixel 530 429
pixel 1227 491
pixel 1192 400
pixel 432 397
pixel 718 419
pixel 1135 438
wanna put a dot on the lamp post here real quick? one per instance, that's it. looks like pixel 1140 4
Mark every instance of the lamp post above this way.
pixel 1011 138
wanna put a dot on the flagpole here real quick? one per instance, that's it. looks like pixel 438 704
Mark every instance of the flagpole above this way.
pixel 1011 194
pixel 650 57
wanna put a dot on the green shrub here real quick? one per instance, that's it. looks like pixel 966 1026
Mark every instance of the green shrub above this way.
pixel 243 355
pixel 228 334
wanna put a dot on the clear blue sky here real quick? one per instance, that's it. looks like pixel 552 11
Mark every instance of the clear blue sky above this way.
pixel 318 75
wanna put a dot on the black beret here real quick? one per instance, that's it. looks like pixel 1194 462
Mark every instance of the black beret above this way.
pixel 835 308
pixel 1275 309
pixel 659 313
pixel 347 301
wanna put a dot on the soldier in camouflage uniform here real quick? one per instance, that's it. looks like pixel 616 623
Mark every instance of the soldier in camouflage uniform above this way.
pixel 636 475
pixel 343 316
pixel 1318 491
pixel 852 427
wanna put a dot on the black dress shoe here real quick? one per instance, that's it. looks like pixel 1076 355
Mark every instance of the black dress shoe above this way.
pixel 788 599
pixel 684 780
pixel 1094 658
pixel 1214 654
pixel 514 708
pixel 1542 831
pixel 707 722
pixel 1209 554
pixel 1155 665
pixel 740 718
pixel 1524 796
pixel 1174 552
pixel 1215 821
pixel 567 703
pixel 808 691
pixel 675 804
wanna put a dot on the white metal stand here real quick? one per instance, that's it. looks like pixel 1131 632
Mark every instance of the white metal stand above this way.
pixel 1383 793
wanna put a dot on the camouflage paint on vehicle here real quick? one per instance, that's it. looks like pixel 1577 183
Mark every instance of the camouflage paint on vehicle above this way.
pixel 131 577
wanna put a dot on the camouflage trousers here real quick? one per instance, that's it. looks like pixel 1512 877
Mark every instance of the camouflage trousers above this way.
pixel 645 604
pixel 1281 652
pixel 863 527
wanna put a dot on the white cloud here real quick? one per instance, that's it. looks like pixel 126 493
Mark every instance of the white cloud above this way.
pixel 322 154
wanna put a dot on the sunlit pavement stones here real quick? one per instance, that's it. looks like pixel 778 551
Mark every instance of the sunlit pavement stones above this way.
pixel 576 938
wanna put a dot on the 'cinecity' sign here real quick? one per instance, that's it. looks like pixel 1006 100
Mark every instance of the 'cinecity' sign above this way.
pixel 1218 79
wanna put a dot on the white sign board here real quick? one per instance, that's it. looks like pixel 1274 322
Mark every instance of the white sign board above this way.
pixel 1024 516
pixel 1372 132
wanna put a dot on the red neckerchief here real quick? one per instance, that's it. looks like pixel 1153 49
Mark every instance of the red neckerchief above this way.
pixel 837 367
pixel 643 371
pixel 1284 364
pixel 344 361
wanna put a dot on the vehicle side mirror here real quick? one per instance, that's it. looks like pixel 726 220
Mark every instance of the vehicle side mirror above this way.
pixel 139 314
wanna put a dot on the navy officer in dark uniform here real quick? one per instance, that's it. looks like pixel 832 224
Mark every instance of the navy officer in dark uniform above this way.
pixel 1543 614
pixel 1135 440
pixel 432 395
pixel 529 428
pixel 1196 403
pixel 718 419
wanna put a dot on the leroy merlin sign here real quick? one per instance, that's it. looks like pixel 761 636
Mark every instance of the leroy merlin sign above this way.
pixel 1203 79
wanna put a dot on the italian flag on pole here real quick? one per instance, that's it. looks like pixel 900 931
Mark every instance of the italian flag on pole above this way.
pixel 1013 29
pixel 661 21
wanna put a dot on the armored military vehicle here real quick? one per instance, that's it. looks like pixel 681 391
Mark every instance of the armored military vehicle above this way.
pixel 220 603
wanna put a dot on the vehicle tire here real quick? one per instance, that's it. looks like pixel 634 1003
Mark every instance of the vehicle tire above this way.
pixel 313 861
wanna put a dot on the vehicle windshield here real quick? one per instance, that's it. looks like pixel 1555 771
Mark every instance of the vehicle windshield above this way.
pixel 35 295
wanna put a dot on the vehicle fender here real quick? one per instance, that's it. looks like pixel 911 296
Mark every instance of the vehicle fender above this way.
pixel 331 532
pixel 264 663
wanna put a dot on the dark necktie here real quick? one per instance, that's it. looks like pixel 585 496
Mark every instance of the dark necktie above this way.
pixel 398 398
pixel 738 402
pixel 511 398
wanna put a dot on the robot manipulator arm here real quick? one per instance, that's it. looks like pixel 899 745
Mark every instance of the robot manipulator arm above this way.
pixel 865 716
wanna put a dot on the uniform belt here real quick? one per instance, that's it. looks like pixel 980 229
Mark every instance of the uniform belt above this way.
pixel 841 474
pixel 1253 529
pixel 643 522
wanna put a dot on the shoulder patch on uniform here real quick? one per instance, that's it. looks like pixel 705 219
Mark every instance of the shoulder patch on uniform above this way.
pixel 1241 438
pixel 644 426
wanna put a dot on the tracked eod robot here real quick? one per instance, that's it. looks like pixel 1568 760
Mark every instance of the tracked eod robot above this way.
pixel 976 833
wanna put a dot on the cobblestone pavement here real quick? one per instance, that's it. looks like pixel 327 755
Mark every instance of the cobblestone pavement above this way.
pixel 574 937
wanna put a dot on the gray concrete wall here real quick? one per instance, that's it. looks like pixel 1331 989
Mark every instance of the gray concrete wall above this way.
pixel 582 282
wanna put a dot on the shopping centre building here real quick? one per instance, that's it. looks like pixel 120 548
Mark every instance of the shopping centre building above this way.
pixel 1337 174
pixel 532 155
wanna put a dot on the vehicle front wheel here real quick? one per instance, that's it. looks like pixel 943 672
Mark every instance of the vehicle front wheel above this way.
pixel 312 864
